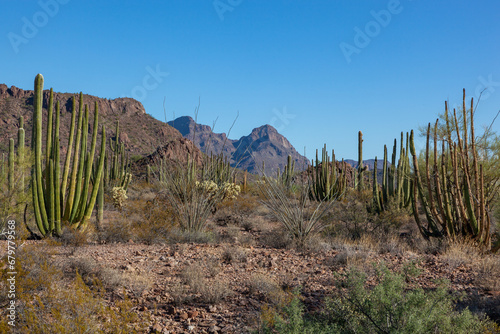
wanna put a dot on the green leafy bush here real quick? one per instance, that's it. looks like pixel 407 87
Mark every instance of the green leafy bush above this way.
pixel 388 307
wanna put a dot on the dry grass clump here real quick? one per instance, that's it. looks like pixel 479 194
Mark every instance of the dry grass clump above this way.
pixel 195 286
pixel 263 285
pixel 460 253
pixel 116 229
pixel 488 267
pixel 277 239
pixel 466 253
pixel 234 254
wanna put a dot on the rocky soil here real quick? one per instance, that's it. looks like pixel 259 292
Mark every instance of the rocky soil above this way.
pixel 240 277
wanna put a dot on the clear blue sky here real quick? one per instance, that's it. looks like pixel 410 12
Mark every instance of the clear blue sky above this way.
pixel 302 66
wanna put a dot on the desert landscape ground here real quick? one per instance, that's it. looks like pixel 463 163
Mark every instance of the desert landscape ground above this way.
pixel 177 241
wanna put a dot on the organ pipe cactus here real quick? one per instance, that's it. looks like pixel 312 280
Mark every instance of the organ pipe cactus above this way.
pixel 451 188
pixel 49 193
pixel 396 182
pixel 117 165
pixel 286 177
pixel 326 182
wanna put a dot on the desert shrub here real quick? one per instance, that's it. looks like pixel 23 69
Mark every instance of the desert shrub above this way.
pixel 388 307
pixel 393 218
pixel 152 219
pixel 352 215
pixel 245 203
pixel 118 229
pixel 45 303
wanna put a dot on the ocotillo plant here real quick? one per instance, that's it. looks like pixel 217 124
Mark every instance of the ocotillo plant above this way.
pixel 47 191
pixel 396 181
pixel 326 182
pixel 451 192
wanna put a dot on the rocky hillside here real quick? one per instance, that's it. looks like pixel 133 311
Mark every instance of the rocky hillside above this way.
pixel 263 144
pixel 141 133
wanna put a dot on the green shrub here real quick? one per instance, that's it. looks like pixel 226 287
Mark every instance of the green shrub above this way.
pixel 388 307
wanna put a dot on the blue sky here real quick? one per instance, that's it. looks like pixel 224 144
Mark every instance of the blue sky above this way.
pixel 319 71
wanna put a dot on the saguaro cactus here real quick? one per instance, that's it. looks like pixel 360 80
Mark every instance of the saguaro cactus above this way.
pixel 47 191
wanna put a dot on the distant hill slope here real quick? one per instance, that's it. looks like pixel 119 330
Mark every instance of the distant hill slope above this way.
pixel 141 133
pixel 263 144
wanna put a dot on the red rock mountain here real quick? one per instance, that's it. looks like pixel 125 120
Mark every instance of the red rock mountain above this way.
pixel 141 133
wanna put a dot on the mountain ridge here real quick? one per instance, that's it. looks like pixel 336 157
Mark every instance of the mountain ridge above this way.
pixel 263 145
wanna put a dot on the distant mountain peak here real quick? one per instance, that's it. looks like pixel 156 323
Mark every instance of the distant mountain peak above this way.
pixel 263 144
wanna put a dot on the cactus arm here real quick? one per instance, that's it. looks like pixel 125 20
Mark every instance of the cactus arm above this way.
pixel 88 167
pixel 430 191
pixel 384 178
pixel 20 151
pixel 421 195
pixel 50 199
pixel 95 189
pixel 360 161
pixel 57 172
pixel 11 164
pixel 36 206
pixel 437 186
pixel 50 125
pixel 81 167
pixel 37 144
pixel 376 197
pixel 74 170
pixel 69 151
